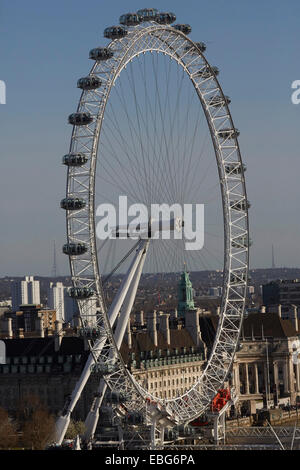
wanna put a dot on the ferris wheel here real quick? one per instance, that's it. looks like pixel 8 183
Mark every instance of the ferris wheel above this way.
pixel 151 112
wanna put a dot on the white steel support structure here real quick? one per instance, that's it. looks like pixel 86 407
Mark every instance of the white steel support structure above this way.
pixel 156 38
pixel 93 416
pixel 135 267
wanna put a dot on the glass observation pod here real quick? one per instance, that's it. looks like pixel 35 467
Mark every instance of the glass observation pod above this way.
pixel 207 72
pixel 105 369
pixel 89 83
pixel 130 19
pixel 241 242
pixel 184 28
pixel 72 204
pixel 193 50
pixel 115 32
pixel 148 14
pixel 166 18
pixel 80 119
pixel 229 133
pixel 170 434
pixel 219 101
pixel 240 205
pixel 74 249
pixel 119 397
pixel 81 292
pixel 135 418
pixel 101 53
pixel 185 430
pixel 75 159
pixel 92 333
pixel 235 168
pixel 238 278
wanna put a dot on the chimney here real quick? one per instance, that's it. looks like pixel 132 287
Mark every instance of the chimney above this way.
pixel 39 327
pixel 139 318
pixel 279 311
pixel 165 326
pixel 7 327
pixel 295 316
pixel 192 325
pixel 21 333
pixel 77 321
pixel 128 335
pixel 58 335
pixel 151 326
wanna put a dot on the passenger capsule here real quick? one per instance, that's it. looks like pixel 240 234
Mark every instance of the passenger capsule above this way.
pixel 229 133
pixel 184 28
pixel 166 18
pixel 115 32
pixel 240 205
pixel 72 204
pixel 81 292
pixel 119 397
pixel 148 14
pixel 238 278
pixel 130 19
pixel 89 83
pixel 207 72
pixel 219 101
pixel 235 168
pixel 80 119
pixel 105 368
pixel 241 242
pixel 91 333
pixel 101 53
pixel 193 48
pixel 75 159
pixel 74 249
pixel 135 418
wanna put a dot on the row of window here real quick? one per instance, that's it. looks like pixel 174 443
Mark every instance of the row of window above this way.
pixel 35 369
pixel 169 372
pixel 187 380
pixel 42 359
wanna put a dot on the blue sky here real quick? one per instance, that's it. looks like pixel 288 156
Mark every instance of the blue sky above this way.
pixel 44 49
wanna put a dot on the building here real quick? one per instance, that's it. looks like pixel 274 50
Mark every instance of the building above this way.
pixel 282 292
pixel 28 321
pixel 166 353
pixel 26 292
pixel 266 369
pixel 56 299
pixel 47 368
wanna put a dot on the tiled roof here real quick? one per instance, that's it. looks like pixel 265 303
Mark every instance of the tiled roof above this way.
pixel 271 325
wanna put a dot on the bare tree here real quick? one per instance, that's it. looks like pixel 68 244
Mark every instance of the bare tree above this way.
pixel 8 434
pixel 75 428
pixel 36 423
pixel 38 431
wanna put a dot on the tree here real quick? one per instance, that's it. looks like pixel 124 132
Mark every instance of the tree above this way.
pixel 39 430
pixel 75 428
pixel 36 423
pixel 8 434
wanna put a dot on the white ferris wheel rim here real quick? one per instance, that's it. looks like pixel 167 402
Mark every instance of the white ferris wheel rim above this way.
pixel 81 224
